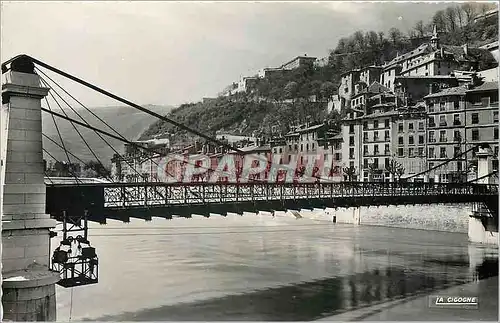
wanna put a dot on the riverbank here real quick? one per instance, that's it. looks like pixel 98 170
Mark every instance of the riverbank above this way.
pixel 417 308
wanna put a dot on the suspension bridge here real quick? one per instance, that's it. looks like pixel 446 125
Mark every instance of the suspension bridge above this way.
pixel 28 200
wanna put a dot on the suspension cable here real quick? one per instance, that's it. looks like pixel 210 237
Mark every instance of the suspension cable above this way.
pixel 62 141
pixel 138 107
pixel 443 163
pixel 484 176
pixel 74 127
pixel 87 125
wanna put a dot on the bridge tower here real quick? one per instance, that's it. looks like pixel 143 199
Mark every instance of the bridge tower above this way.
pixel 28 286
pixel 483 226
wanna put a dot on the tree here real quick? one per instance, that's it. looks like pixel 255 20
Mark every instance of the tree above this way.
pixel 439 20
pixel 372 169
pixel 450 18
pixel 395 168
pixel 290 90
pixel 327 89
pixel 469 11
pixel 350 172
pixel 96 169
pixel 420 28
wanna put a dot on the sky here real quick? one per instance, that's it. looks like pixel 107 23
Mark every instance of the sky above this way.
pixel 168 53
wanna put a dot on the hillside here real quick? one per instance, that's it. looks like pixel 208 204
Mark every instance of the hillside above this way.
pixel 264 106
pixel 236 115
pixel 126 120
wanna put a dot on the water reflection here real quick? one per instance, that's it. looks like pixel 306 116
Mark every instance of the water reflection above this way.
pixel 310 300
pixel 266 269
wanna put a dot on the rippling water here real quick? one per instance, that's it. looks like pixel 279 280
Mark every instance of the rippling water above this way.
pixel 265 268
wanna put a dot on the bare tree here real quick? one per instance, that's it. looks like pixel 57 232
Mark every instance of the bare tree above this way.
pixel 420 28
pixel 439 20
pixel 469 11
pixel 459 14
pixel 395 168
pixel 450 16
pixel 350 172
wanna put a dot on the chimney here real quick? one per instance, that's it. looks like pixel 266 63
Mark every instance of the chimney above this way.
pixel 431 88
pixel 466 49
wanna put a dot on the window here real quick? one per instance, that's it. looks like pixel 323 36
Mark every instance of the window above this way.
pixel 442 136
pixel 365 150
pixel 456 120
pixel 411 152
pixel 281 150
pixel 375 136
pixel 375 124
pixel 375 162
pixel 387 150
pixel 431 106
pixel 365 125
pixel 400 127
pixel 456 105
pixel 495 151
pixel 386 162
pixel 431 152
pixel 365 136
pixel 485 101
pixel 351 153
pixel 386 135
pixel 337 156
pixel 296 147
pixel 375 150
pixel 457 136
pixel 351 141
pixel 459 166
pixel 301 147
pixel 442 152
pixel 387 122
pixel 495 116
pixel 431 165
pixel 365 163
pixel 421 151
pixel 326 157
pixel 431 122
pixel 420 125
pixel 400 152
pixel 351 128
pixel 421 139
pixel 442 121
pixel 307 147
pixel 475 118
pixel 475 134
pixel 411 140
pixel 410 126
pixel 431 136
pixel 401 141
pixel 351 164
pixel 312 146
pixel 495 133
pixel 456 151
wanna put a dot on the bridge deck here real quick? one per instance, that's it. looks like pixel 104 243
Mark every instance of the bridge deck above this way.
pixel 144 200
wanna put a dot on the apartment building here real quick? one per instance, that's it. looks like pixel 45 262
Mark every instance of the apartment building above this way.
pixel 433 59
pixel 410 140
pixel 481 118
pixel 457 119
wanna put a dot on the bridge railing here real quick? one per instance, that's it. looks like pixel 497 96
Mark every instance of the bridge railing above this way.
pixel 151 194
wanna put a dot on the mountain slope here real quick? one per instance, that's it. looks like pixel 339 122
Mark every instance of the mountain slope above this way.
pixel 127 121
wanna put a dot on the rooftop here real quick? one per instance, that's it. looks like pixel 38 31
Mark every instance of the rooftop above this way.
pixel 458 90
pixel 486 86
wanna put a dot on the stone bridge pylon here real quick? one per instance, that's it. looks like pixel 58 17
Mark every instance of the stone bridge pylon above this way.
pixel 28 286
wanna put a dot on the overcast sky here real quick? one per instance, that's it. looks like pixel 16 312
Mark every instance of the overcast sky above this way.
pixel 169 53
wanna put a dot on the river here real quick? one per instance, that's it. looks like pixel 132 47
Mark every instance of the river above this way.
pixel 281 268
